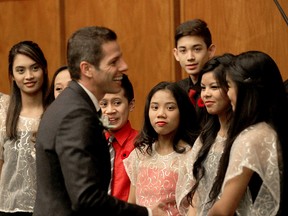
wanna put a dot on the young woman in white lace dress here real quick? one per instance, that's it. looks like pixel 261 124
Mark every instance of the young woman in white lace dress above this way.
pixel 169 131
pixel 208 148
pixel 19 124
pixel 252 174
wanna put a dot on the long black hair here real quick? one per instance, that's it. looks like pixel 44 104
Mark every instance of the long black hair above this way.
pixel 261 97
pixel 33 51
pixel 188 129
pixel 210 123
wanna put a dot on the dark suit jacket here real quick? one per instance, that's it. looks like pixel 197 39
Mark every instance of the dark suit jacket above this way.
pixel 73 161
pixel 187 84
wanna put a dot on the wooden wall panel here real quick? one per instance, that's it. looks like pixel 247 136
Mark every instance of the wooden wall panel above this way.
pixel 242 25
pixel 29 20
pixel 145 31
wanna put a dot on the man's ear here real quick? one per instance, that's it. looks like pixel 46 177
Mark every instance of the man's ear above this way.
pixel 175 52
pixel 211 50
pixel 85 68
pixel 132 105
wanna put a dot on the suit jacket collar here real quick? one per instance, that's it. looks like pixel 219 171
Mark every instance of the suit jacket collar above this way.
pixel 75 86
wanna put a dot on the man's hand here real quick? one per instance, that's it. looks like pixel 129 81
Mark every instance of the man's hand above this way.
pixel 158 211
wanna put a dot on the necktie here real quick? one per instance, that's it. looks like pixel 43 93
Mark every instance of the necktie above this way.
pixel 112 156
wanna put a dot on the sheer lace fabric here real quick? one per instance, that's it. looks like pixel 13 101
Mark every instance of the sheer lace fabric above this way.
pixel 186 181
pixel 18 177
pixel 4 102
pixel 156 177
pixel 255 148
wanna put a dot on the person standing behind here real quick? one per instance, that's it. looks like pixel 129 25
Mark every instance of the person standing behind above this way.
pixel 168 133
pixel 193 48
pixel 29 83
pixel 59 82
pixel 71 147
pixel 207 149
pixel 116 107
pixel 252 176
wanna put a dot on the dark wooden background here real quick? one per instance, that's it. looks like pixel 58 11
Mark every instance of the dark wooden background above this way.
pixel 146 32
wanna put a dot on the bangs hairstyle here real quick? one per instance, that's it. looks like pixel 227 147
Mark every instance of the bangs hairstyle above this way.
pixel 195 27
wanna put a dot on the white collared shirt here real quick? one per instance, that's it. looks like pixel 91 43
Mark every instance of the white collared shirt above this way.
pixel 92 97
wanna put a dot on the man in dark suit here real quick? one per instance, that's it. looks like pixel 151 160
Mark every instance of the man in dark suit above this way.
pixel 72 155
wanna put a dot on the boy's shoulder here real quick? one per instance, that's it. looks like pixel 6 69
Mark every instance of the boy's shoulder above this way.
pixel 185 83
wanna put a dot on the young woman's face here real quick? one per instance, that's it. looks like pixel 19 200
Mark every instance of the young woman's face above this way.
pixel 164 113
pixel 232 92
pixel 27 74
pixel 62 80
pixel 213 96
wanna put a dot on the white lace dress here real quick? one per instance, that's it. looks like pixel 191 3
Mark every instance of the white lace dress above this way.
pixel 255 148
pixel 187 180
pixel 18 176
pixel 156 177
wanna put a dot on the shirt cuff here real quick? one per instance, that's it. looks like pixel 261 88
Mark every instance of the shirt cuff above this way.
pixel 149 212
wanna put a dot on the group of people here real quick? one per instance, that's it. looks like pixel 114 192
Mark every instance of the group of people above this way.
pixel 211 144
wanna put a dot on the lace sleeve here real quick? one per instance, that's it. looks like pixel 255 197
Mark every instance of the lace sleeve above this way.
pixel 131 165
pixel 185 178
pixel 4 102
pixel 256 148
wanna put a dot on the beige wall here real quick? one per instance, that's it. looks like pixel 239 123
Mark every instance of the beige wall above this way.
pixel 146 32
